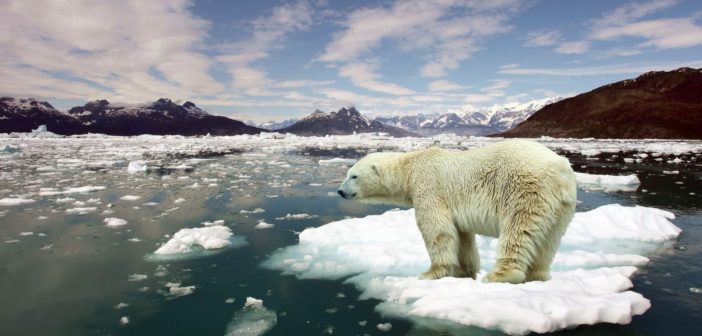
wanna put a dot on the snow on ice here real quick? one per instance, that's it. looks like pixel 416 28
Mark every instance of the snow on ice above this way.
pixel 383 254
pixel 607 183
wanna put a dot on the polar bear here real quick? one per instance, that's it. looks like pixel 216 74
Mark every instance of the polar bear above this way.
pixel 516 190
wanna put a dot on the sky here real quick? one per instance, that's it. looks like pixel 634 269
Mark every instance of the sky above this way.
pixel 271 60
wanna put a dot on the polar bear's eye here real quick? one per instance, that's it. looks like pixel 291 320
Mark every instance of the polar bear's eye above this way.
pixel 354 177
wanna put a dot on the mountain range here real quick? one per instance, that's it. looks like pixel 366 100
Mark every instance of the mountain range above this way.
pixel 99 116
pixel 472 121
pixel 345 121
pixel 658 104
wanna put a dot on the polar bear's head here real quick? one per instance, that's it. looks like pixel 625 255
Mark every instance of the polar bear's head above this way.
pixel 369 179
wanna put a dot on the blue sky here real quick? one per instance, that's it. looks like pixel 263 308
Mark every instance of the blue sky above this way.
pixel 263 60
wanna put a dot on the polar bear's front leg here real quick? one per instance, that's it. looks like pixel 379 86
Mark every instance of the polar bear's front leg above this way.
pixel 442 242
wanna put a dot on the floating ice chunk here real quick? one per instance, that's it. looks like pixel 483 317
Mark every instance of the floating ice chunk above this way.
pixel 179 200
pixel 188 242
pixel 137 277
pixel 76 190
pixel 114 222
pixel 175 290
pixel 299 216
pixel 608 183
pixel 384 326
pixel 81 211
pixel 590 152
pixel 130 197
pixel 26 233
pixel 217 222
pixel 121 305
pixel 337 161
pixel 264 225
pixel 254 211
pixel 382 255
pixel 252 320
pixel 15 201
pixel 124 320
pixel 138 167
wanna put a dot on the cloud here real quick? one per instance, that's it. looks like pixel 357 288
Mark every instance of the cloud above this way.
pixel 107 46
pixel 658 34
pixel 542 38
pixel 627 68
pixel 444 85
pixel 364 75
pixel 573 47
pixel 448 32
pixel 267 34
pixel 631 12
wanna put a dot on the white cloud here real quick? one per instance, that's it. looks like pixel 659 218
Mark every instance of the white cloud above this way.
pixel 573 47
pixel 447 31
pixel 364 75
pixel 631 12
pixel 111 44
pixel 444 85
pixel 659 34
pixel 542 38
pixel 635 68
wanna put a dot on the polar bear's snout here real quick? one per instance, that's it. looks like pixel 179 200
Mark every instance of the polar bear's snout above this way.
pixel 345 192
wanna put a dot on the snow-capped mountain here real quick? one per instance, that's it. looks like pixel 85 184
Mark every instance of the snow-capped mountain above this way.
pixel 26 114
pixel 275 125
pixel 478 121
pixel 345 121
pixel 99 116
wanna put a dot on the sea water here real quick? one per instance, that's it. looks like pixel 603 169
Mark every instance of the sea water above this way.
pixel 79 230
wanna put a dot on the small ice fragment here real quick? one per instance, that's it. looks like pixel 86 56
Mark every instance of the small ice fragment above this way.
pixel 254 211
pixel 137 166
pixel 80 211
pixel 114 222
pixel 384 326
pixel 15 201
pixel 124 320
pixel 179 200
pixel 121 305
pixel 26 233
pixel 696 290
pixel 264 225
pixel 138 277
pixel 186 240
pixel 130 197
pixel 175 290
pixel 252 320
pixel 229 300
pixel 134 240
pixel 362 323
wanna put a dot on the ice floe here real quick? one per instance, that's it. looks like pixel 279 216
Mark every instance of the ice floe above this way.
pixel 175 290
pixel 194 241
pixel 15 201
pixel 114 222
pixel 383 254
pixel 337 161
pixel 299 216
pixel 263 225
pixel 68 191
pixel 607 183
pixel 252 320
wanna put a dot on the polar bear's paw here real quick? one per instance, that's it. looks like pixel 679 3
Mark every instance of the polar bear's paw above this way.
pixel 440 271
pixel 509 276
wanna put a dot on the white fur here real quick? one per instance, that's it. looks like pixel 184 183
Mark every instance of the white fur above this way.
pixel 517 190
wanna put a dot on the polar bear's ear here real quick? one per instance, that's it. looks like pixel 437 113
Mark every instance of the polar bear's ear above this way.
pixel 375 169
